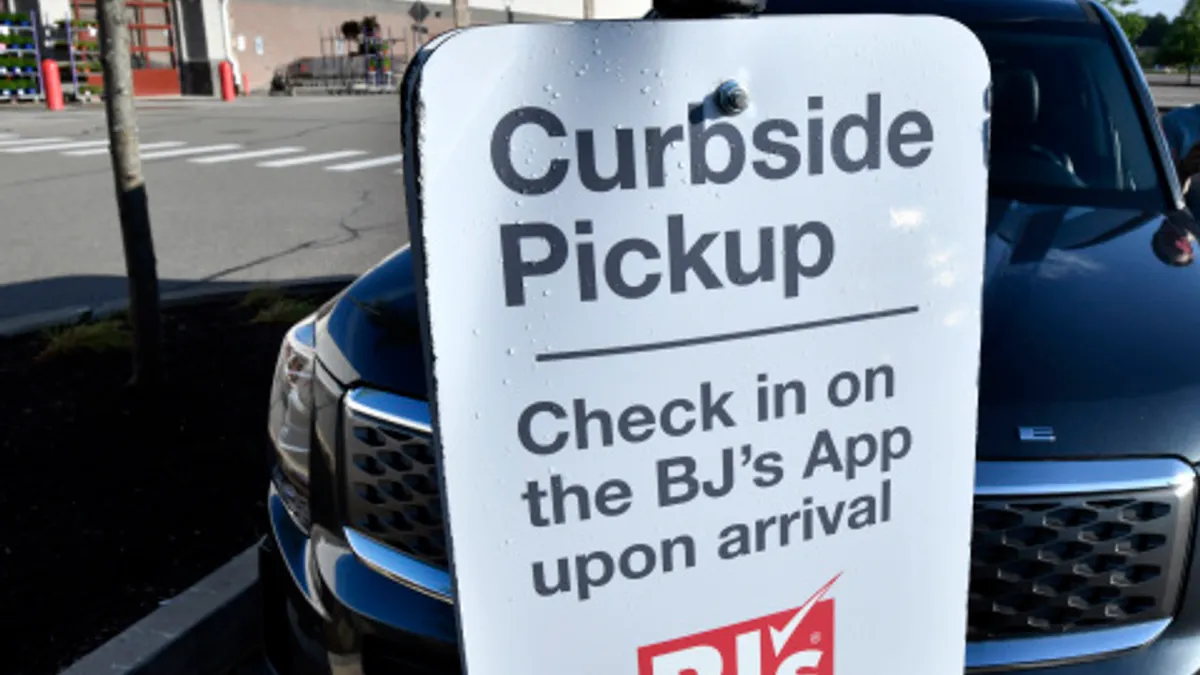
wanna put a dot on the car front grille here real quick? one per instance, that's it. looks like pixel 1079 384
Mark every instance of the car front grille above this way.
pixel 392 489
pixel 1054 565
pixel 1082 554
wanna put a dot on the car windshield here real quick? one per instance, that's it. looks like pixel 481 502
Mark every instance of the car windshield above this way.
pixel 1065 125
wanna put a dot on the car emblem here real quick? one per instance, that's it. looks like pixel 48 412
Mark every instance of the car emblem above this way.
pixel 1036 434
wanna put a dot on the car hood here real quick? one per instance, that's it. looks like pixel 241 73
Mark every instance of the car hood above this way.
pixel 372 335
pixel 1085 330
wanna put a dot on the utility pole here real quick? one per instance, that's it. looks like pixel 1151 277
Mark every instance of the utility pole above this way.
pixel 462 14
pixel 589 9
pixel 132 204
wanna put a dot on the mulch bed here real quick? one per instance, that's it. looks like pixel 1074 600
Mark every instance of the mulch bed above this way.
pixel 110 506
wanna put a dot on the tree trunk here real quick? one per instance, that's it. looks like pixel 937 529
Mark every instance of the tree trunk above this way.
pixel 132 203
pixel 462 14
pixel 1189 71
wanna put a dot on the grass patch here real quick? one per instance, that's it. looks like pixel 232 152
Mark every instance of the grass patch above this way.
pixel 95 337
pixel 261 298
pixel 284 310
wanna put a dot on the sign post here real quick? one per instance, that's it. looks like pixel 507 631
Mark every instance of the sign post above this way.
pixel 418 13
pixel 702 326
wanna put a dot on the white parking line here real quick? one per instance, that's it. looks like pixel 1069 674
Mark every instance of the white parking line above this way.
pixel 30 141
pixel 311 159
pixel 104 151
pixel 24 149
pixel 367 163
pixel 183 152
pixel 252 154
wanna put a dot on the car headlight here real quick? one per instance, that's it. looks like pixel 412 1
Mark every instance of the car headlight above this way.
pixel 290 417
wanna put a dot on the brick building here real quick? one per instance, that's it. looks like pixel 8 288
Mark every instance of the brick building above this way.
pixel 178 44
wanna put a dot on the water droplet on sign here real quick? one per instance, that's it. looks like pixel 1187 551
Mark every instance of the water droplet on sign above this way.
pixel 547 88
pixel 546 292
pixel 511 351
pixel 475 331
pixel 580 72
pixel 656 102
pixel 645 90
pixel 557 95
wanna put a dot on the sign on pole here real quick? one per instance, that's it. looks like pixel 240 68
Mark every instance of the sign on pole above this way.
pixel 702 318
pixel 418 12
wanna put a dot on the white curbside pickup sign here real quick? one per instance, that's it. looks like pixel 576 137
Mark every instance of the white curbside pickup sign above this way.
pixel 702 314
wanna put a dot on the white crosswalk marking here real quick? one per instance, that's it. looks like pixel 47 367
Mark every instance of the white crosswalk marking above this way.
pixel 367 163
pixel 31 141
pixel 251 154
pixel 183 152
pixel 104 151
pixel 25 149
pixel 311 159
pixel 274 157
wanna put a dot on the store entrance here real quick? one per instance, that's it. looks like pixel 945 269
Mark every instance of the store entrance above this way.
pixel 152 31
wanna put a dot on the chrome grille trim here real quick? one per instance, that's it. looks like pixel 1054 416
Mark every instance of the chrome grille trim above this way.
pixel 399 410
pixel 1073 647
pixel 404 569
pixel 1031 479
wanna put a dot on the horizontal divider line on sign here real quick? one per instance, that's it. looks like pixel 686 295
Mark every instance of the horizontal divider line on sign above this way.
pixel 725 337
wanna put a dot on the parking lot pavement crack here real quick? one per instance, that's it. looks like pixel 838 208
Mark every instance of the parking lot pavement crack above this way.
pixel 346 234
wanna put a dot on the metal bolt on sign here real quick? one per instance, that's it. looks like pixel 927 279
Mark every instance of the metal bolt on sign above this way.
pixel 732 98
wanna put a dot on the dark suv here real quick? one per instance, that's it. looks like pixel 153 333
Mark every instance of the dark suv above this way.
pixel 1088 424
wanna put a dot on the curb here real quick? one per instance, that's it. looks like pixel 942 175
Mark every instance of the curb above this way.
pixel 204 630
pixel 37 321
pixel 30 323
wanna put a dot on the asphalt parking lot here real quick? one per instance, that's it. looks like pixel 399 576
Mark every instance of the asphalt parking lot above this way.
pixel 259 189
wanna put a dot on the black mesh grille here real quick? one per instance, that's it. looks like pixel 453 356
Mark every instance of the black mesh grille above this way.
pixel 1046 566
pixel 392 487
pixel 1039 566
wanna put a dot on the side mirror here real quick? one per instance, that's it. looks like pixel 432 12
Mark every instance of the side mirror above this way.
pixel 1173 242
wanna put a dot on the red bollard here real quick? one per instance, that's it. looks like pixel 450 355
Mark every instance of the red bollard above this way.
pixel 226 72
pixel 52 80
pixel 245 84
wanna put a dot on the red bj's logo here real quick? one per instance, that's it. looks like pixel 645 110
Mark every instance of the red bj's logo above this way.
pixel 792 642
